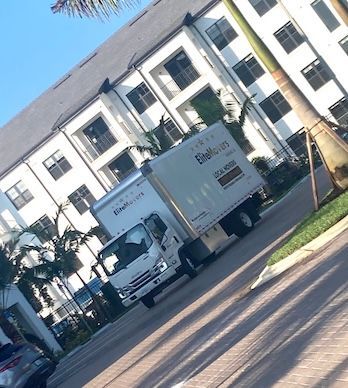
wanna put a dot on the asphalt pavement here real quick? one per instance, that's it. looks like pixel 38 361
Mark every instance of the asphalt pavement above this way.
pixel 189 337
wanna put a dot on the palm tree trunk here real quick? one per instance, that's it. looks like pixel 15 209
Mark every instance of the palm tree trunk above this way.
pixel 342 9
pixel 332 147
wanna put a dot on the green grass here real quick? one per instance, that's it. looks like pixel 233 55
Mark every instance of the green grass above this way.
pixel 313 226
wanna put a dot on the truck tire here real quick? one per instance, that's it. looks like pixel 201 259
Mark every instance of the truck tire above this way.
pixel 243 223
pixel 188 267
pixel 148 301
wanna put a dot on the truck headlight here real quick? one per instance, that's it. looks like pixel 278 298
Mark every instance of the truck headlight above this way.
pixel 123 292
pixel 160 265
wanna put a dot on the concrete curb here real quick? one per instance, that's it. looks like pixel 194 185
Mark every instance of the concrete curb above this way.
pixel 274 270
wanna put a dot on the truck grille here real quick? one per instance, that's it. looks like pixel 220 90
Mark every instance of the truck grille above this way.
pixel 141 280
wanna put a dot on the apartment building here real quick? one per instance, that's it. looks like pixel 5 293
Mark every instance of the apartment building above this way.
pixel 74 142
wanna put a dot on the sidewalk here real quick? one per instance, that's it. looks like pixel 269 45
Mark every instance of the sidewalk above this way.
pixel 294 333
pixel 297 257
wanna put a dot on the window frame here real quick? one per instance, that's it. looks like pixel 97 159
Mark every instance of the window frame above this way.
pixel 262 6
pixel 99 136
pixel 168 128
pixel 278 111
pixel 318 72
pixel 297 142
pixel 341 104
pixel 141 101
pixel 84 202
pixel 41 227
pixel 329 19
pixel 24 196
pixel 225 36
pixel 344 44
pixel 292 36
pixel 253 70
pixel 122 176
pixel 60 165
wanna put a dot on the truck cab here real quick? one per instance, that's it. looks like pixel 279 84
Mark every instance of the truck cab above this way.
pixel 143 260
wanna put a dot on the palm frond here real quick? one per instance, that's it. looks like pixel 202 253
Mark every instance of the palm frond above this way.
pixel 191 132
pixel 92 8
pixel 245 108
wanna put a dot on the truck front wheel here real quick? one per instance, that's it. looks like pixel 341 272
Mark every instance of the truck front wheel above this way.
pixel 188 267
pixel 243 223
pixel 148 301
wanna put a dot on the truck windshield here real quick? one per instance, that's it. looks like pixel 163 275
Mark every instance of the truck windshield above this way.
pixel 126 249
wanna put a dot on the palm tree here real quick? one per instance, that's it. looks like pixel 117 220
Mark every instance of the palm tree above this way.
pixel 157 139
pixel 10 259
pixel 332 148
pixel 14 270
pixel 213 109
pixel 58 255
pixel 342 9
pixel 92 8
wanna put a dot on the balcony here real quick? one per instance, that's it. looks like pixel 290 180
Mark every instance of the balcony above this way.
pixel 99 145
pixel 180 81
pixel 116 177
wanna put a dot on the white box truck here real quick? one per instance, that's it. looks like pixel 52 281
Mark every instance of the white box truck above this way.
pixel 174 212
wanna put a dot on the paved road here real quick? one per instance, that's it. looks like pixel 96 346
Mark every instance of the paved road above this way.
pixel 210 330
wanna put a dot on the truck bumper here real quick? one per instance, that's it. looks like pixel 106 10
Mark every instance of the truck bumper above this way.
pixel 154 283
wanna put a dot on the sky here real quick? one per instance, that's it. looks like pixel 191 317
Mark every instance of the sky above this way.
pixel 38 47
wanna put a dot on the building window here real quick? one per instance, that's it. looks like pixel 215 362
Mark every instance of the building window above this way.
pixel 340 111
pixel 248 70
pixel 181 70
pixel 57 165
pixel 19 195
pixel 141 98
pixel 344 44
pixel 221 33
pixel 289 37
pixel 316 74
pixel 263 6
pixel 99 136
pixel 122 166
pixel 275 106
pixel 297 142
pixel 326 16
pixel 45 229
pixel 83 295
pixel 82 199
pixel 168 133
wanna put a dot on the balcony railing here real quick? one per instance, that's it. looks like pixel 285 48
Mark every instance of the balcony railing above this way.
pixel 180 82
pixel 101 145
pixel 117 177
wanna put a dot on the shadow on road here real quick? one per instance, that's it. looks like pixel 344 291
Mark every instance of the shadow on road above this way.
pixel 218 290
pixel 278 347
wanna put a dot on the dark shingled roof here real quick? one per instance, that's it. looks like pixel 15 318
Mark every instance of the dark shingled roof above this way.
pixel 143 33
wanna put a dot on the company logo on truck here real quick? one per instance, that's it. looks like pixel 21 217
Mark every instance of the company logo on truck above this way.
pixel 211 152
pixel 127 204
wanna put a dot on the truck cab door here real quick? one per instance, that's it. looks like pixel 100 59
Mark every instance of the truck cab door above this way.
pixel 166 237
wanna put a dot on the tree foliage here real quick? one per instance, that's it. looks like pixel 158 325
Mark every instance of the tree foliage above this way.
pixel 16 270
pixel 58 255
pixel 211 109
pixel 92 8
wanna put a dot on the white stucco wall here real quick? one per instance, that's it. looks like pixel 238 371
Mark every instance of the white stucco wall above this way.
pixel 36 325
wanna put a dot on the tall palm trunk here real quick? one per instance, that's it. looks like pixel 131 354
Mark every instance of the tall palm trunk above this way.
pixel 333 149
pixel 341 8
